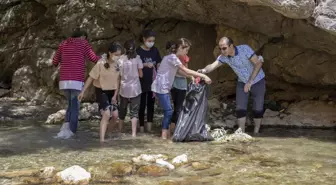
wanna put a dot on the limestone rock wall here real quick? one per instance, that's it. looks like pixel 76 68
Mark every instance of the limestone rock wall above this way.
pixel 296 38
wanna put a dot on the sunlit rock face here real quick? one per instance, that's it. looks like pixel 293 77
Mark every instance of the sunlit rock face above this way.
pixel 296 38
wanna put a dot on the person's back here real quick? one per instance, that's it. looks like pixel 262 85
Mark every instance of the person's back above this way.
pixel 71 55
pixel 130 83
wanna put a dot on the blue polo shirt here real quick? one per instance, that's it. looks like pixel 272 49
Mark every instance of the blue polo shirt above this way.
pixel 241 64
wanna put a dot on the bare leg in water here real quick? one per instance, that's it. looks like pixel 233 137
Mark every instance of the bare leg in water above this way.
pixel 103 124
pixel 134 126
pixel 113 125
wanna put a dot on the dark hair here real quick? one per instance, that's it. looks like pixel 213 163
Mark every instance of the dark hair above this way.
pixel 129 46
pixel 78 33
pixel 229 41
pixel 114 47
pixel 146 34
pixel 172 46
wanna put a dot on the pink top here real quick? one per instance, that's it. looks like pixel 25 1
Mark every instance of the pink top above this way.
pixel 130 86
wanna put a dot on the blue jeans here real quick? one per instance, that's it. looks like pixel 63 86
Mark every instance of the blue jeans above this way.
pixel 164 100
pixel 73 108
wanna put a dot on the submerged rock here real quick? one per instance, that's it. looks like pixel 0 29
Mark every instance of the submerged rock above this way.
pixel 152 170
pixel 200 166
pixel 121 169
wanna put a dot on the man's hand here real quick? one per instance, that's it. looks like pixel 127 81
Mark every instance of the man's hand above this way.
pixel 247 87
pixel 201 71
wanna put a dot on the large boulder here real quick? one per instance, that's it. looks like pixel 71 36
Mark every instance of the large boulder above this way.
pixel 298 9
pixel 293 36
pixel 312 114
pixel 324 15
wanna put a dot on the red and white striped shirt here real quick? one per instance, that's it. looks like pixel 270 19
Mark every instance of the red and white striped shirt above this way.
pixel 71 55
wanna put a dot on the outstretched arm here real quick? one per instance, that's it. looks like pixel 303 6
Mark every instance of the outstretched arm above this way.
pixel 194 73
pixel 211 67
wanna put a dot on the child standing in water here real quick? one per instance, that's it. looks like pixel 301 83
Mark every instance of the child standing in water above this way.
pixel 130 87
pixel 151 58
pixel 106 75
pixel 165 77
pixel 180 85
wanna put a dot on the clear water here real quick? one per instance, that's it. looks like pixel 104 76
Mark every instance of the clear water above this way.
pixel 279 156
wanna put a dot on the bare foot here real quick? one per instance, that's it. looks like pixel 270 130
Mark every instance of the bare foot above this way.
pixel 103 141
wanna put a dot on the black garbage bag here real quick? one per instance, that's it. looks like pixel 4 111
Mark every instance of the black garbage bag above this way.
pixel 191 122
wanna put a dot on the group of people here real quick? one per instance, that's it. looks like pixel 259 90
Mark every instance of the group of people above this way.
pixel 138 75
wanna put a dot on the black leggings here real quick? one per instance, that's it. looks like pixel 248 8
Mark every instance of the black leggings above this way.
pixel 147 100
pixel 178 96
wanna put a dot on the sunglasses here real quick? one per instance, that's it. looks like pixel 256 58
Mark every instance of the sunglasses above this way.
pixel 223 48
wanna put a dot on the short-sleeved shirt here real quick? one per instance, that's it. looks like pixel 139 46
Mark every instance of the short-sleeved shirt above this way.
pixel 148 56
pixel 130 83
pixel 241 64
pixel 166 74
pixel 107 78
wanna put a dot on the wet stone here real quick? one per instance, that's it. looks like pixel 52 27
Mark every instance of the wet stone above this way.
pixel 169 182
pixel 152 170
pixel 200 166
pixel 121 169
pixel 211 172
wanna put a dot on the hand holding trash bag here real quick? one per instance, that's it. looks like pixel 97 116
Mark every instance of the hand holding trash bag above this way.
pixel 191 122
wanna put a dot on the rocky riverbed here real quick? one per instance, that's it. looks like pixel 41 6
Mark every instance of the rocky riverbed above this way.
pixel 276 156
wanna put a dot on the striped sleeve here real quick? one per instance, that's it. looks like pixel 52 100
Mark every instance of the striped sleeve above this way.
pixel 57 57
pixel 90 54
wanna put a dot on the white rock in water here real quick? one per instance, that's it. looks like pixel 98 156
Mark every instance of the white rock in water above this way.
pixel 222 136
pixel 56 117
pixel 74 174
pixel 47 172
pixel 180 159
pixel 149 158
pixel 165 164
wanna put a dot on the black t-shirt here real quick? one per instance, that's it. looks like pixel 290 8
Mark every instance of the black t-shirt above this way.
pixel 148 56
